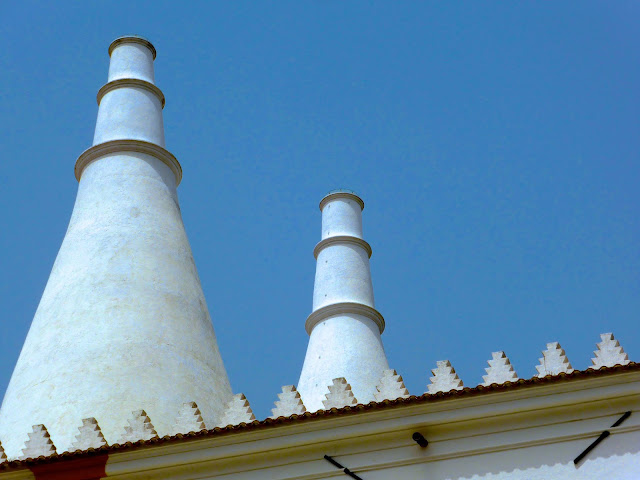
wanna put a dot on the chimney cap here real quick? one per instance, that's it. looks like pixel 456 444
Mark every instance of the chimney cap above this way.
pixel 341 192
pixel 133 39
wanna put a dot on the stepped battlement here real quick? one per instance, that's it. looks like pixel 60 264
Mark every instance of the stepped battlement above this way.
pixel 237 413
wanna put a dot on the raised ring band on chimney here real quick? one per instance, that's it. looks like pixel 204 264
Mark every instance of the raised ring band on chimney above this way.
pixel 130 82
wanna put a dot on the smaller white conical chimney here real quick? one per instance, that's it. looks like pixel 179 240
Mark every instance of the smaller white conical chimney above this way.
pixel 133 108
pixel 344 327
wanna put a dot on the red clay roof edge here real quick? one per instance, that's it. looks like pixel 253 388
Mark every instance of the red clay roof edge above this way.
pixel 241 427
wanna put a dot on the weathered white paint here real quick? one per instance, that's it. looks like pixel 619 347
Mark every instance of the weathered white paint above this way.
pixel 89 436
pixel 139 428
pixel 609 352
pixel 39 443
pixel 131 57
pixel 444 378
pixel 344 328
pixel 131 112
pixel 123 323
pixel 339 395
pixel 341 214
pixel 554 361
pixel 345 345
pixel 130 109
pixel 390 387
pixel 237 411
pixel 189 419
pixel 342 275
pixel 500 370
pixel 288 403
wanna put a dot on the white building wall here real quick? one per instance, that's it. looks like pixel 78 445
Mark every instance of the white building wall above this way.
pixel 532 432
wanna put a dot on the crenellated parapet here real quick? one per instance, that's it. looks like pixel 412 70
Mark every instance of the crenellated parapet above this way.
pixel 444 378
pixel 338 394
pixel 390 387
pixel 139 428
pixel 39 443
pixel 237 411
pixel 288 403
pixel 90 435
pixel 553 361
pixel 609 352
pixel 189 419
pixel 500 370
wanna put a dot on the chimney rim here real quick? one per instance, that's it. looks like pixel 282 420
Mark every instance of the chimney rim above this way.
pixel 132 39
pixel 341 193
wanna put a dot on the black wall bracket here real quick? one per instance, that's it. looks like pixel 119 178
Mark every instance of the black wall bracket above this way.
pixel 420 440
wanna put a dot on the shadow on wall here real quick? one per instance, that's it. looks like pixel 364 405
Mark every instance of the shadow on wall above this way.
pixel 616 458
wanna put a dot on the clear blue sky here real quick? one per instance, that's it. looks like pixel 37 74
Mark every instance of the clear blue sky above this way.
pixel 495 145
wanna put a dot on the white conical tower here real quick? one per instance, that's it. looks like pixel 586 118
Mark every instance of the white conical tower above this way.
pixel 122 324
pixel 344 328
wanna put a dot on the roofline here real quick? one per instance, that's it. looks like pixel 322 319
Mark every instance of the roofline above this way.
pixel 319 415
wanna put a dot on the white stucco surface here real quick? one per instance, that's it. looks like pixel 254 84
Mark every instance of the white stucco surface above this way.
pixel 341 216
pixel 130 113
pixel 131 60
pixel 342 275
pixel 123 324
pixel 616 458
pixel 346 346
pixel 346 343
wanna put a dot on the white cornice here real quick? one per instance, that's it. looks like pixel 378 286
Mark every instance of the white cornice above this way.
pixel 118 146
pixel 341 308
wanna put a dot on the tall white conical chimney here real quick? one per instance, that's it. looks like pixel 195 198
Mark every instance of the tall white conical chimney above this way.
pixel 122 324
pixel 344 327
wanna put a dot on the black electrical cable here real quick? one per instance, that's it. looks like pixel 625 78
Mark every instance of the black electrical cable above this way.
pixel 600 438
pixel 344 469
